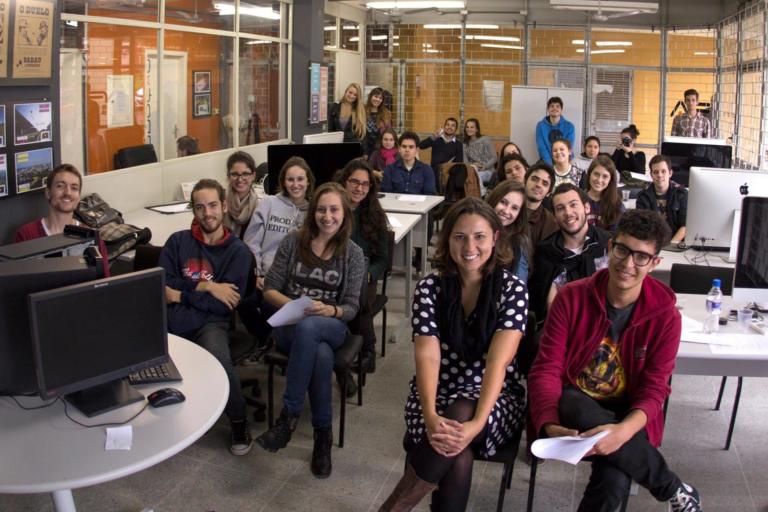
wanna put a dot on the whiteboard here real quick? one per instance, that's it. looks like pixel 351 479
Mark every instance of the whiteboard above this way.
pixel 528 106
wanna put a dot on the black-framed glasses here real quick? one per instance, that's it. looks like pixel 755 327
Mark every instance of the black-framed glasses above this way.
pixel 357 183
pixel 622 252
pixel 240 175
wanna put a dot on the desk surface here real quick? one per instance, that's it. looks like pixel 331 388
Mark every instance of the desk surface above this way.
pixel 391 203
pixel 42 451
pixel 698 359
pixel 406 221
pixel 161 225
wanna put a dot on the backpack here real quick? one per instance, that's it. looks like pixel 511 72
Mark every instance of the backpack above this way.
pixel 459 181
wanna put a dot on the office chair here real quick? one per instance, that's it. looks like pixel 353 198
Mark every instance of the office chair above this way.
pixel 380 302
pixel 135 155
pixel 698 279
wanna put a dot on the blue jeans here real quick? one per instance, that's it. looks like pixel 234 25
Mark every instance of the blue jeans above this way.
pixel 214 338
pixel 310 345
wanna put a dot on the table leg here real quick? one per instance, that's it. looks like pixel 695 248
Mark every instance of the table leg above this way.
pixel 63 501
pixel 733 414
pixel 424 233
pixel 408 273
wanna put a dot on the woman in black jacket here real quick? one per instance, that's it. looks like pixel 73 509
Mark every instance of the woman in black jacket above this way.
pixel 628 159
pixel 348 115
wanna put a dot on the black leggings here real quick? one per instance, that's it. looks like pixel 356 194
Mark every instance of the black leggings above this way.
pixel 453 475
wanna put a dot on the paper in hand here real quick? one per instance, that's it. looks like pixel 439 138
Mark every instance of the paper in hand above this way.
pixel 291 313
pixel 570 449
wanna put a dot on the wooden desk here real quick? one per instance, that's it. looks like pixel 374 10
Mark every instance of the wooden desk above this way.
pixel 42 451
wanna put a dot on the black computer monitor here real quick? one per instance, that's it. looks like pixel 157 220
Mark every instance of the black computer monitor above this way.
pixel 687 152
pixel 86 338
pixel 323 159
pixel 750 279
pixel 17 280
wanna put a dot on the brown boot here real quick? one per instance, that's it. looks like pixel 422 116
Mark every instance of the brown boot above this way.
pixel 407 493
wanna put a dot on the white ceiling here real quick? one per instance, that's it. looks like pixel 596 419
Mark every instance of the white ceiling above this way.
pixel 671 13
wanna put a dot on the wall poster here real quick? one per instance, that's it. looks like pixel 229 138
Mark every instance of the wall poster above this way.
pixel 32 168
pixel 2 126
pixel 32 39
pixel 3 176
pixel 119 100
pixel 31 123
pixel 4 13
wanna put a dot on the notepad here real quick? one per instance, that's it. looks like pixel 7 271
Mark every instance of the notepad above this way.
pixel 570 449
pixel 411 198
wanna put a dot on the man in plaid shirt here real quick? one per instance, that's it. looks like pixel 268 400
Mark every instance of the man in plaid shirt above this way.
pixel 692 123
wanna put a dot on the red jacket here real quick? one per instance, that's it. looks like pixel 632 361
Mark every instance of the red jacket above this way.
pixel 572 332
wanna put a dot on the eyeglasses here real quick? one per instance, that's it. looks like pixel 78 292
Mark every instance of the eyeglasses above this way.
pixel 240 175
pixel 622 252
pixel 357 183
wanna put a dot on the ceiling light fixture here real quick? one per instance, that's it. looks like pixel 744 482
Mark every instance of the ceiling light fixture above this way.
pixel 596 52
pixel 439 26
pixel 258 12
pixel 509 39
pixel 417 4
pixel 613 43
pixel 605 6
pixel 579 42
pixel 379 38
pixel 504 46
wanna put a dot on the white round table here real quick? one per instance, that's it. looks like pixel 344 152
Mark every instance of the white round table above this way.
pixel 43 451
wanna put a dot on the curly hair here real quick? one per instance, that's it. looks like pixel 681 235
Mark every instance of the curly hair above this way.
pixel 610 201
pixel 502 253
pixel 645 225
pixel 372 216
pixel 309 230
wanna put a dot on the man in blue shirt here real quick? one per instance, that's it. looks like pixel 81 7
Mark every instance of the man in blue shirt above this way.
pixel 553 127
pixel 408 175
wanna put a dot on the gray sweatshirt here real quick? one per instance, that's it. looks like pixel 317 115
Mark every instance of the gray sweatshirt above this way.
pixel 337 281
pixel 275 217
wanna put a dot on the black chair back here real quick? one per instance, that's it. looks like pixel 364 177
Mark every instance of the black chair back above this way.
pixel 135 155
pixel 146 257
pixel 698 278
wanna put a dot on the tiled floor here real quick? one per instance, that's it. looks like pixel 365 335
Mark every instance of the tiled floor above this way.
pixel 205 477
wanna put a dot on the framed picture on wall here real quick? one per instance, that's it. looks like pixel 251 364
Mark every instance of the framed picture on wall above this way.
pixel 31 123
pixel 32 168
pixel 3 176
pixel 201 81
pixel 2 126
pixel 202 105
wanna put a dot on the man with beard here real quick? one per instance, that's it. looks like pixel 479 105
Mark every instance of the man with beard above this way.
pixel 577 250
pixel 539 181
pixel 604 363
pixel 62 190
pixel 206 271
pixel 445 147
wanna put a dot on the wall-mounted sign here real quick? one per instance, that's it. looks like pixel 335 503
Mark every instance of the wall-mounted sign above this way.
pixel 33 31
pixel 5 11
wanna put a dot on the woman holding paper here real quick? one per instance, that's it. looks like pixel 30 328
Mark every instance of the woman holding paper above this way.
pixel 322 263
pixel 468 320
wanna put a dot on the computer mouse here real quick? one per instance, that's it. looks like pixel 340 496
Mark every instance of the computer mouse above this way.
pixel 165 396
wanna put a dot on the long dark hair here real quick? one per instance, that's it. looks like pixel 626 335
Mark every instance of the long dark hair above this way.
pixel 499 167
pixel 296 161
pixel 518 233
pixel 384 115
pixel 309 230
pixel 610 201
pixel 501 174
pixel 477 125
pixel 470 205
pixel 372 216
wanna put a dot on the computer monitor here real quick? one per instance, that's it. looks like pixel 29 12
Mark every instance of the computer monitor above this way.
pixel 323 159
pixel 323 138
pixel 86 338
pixel 713 197
pixel 750 278
pixel 688 152
pixel 17 280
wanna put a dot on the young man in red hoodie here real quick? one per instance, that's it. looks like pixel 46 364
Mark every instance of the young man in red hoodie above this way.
pixel 607 352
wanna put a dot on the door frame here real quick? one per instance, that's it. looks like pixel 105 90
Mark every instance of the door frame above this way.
pixel 181 96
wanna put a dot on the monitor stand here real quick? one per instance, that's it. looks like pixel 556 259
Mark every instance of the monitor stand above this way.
pixel 104 398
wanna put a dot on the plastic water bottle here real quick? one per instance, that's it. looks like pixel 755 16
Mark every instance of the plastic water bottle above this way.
pixel 714 303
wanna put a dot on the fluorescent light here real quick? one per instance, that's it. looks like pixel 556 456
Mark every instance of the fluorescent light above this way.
pixel 329 27
pixel 258 42
pixel 613 43
pixel 578 42
pixel 438 26
pixel 432 51
pixel 70 23
pixel 417 4
pixel 604 6
pixel 354 39
pixel 259 12
pixel 510 39
pixel 382 37
pixel 426 45
pixel 351 27
pixel 596 52
pixel 395 37
pixel 505 46
pixel 395 44
pixel 703 53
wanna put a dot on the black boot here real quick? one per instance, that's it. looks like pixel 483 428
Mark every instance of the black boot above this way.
pixel 369 361
pixel 278 436
pixel 351 386
pixel 321 453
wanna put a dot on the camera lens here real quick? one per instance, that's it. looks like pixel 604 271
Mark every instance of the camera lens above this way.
pixel 626 141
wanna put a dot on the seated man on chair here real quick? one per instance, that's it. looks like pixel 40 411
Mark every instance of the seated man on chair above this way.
pixel 604 363
pixel 206 270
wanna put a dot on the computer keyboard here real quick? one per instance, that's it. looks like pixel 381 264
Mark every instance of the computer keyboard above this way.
pixel 165 372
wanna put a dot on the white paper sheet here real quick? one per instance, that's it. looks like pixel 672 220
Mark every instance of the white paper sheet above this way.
pixel 411 198
pixel 642 177
pixel 731 339
pixel 171 208
pixel 119 438
pixel 291 313
pixel 569 449
pixel 393 221
pixel 755 345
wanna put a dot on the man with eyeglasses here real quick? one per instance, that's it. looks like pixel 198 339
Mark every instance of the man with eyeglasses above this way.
pixel 604 363
pixel 576 250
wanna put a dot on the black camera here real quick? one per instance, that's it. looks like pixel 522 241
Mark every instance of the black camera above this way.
pixel 626 141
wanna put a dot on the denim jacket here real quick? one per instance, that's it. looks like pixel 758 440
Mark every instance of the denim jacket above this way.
pixel 420 180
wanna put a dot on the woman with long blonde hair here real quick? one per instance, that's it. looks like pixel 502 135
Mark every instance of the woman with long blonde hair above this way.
pixel 348 115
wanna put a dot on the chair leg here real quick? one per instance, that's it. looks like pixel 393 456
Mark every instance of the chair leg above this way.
pixel 503 487
pixel 383 330
pixel 360 379
pixel 343 410
pixel 733 414
pixel 532 483
pixel 720 394
pixel 270 395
